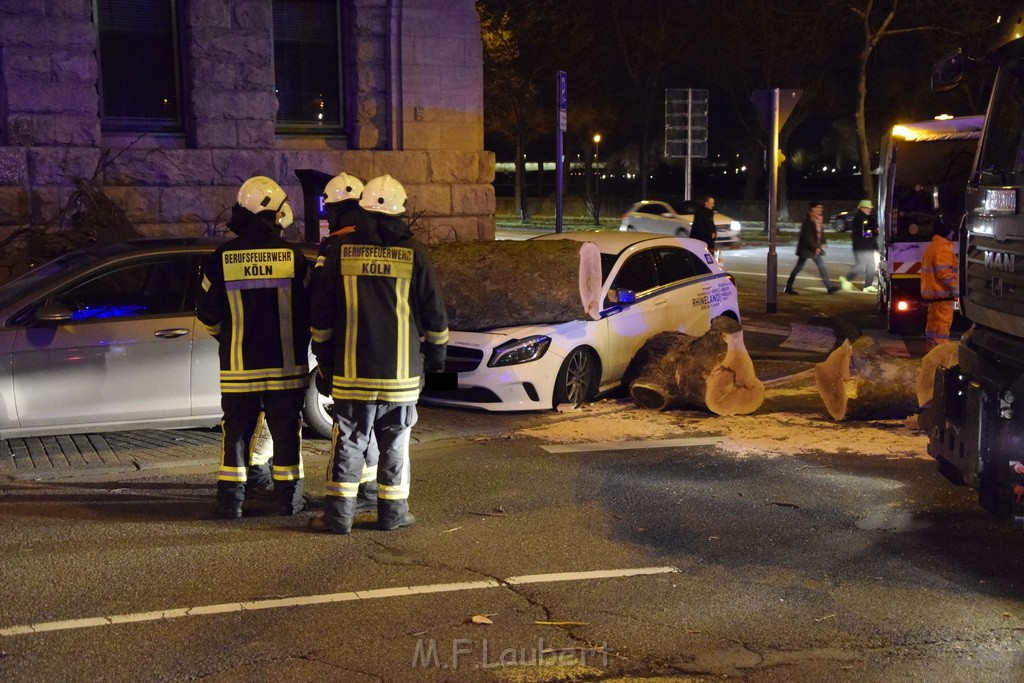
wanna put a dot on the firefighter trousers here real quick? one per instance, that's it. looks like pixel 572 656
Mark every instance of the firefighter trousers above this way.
pixel 355 423
pixel 940 319
pixel 240 429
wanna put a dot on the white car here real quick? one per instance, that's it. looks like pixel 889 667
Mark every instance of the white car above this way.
pixel 657 216
pixel 650 284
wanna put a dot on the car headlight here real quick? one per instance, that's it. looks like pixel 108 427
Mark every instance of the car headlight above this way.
pixel 519 351
pixel 734 226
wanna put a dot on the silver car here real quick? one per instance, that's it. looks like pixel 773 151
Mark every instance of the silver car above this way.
pixel 106 338
pixel 657 216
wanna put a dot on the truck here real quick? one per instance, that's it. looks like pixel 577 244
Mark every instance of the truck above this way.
pixel 932 158
pixel 975 420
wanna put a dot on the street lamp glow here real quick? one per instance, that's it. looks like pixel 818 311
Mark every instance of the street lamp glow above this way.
pixel 597 138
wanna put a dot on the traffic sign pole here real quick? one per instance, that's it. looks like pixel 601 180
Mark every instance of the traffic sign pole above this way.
pixel 562 92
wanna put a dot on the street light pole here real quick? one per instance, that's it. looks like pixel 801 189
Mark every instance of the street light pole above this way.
pixel 597 180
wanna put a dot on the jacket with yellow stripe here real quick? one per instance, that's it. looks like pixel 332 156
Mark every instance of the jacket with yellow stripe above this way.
pixel 375 298
pixel 255 302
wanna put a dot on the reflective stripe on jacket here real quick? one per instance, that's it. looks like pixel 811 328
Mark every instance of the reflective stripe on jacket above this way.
pixel 939 276
pixel 255 301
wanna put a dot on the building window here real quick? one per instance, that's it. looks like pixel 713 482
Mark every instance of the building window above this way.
pixel 307 64
pixel 138 55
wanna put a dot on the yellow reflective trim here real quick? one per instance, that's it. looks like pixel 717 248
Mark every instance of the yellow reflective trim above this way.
pixel 436 337
pixel 264 373
pixel 266 385
pixel 258 264
pixel 288 473
pixel 393 492
pixel 320 261
pixel 375 382
pixel 369 474
pixel 235 358
pixel 351 325
pixel 321 335
pixel 206 283
pixel 403 317
pixel 236 474
pixel 376 396
pixel 284 310
pixel 342 489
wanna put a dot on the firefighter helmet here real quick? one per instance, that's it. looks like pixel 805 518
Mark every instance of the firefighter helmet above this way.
pixel 384 195
pixel 285 216
pixel 260 193
pixel 341 187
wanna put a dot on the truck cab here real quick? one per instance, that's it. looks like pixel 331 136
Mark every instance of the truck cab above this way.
pixel 920 162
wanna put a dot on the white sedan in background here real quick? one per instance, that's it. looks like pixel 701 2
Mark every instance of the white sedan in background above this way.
pixel 650 284
pixel 657 216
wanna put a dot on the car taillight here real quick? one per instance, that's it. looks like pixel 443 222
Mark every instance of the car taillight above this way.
pixel 902 306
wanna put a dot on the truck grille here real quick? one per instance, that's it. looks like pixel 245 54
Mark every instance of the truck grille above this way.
pixel 994 275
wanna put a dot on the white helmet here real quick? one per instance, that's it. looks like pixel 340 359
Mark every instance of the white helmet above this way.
pixel 285 216
pixel 341 187
pixel 260 193
pixel 384 195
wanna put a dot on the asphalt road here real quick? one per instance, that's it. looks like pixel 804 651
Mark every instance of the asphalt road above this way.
pixel 607 543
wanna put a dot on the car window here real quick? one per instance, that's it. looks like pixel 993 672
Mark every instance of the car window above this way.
pixel 638 273
pixel 150 288
pixel 675 264
pixel 656 209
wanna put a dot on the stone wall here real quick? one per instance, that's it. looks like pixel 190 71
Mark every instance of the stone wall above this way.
pixel 414 94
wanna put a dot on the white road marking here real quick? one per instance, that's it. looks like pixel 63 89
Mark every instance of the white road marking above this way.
pixel 402 591
pixel 630 445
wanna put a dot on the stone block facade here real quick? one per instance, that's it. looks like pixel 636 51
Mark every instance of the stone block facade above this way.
pixel 413 95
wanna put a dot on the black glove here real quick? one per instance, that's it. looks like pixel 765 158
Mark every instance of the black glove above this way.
pixel 434 356
pixel 323 380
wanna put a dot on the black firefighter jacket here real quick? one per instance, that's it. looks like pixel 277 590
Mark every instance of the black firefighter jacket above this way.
pixel 255 302
pixel 376 297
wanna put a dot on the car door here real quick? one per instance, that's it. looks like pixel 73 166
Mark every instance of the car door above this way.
pixel 124 356
pixel 681 284
pixel 631 324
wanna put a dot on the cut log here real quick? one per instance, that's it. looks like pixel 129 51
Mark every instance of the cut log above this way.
pixel 860 381
pixel 712 372
pixel 489 284
pixel 942 356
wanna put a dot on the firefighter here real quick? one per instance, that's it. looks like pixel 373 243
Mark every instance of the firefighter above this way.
pixel 940 283
pixel 255 302
pixel 378 296
pixel 341 199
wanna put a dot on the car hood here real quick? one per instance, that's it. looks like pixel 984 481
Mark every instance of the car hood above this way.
pixel 488 339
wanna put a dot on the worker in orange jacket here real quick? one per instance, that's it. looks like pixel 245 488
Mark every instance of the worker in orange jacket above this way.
pixel 940 283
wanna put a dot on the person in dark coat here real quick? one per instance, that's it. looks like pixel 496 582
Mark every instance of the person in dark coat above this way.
pixel 703 227
pixel 864 236
pixel 810 246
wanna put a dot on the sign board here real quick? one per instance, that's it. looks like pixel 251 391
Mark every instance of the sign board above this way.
pixel 563 99
pixel 686 123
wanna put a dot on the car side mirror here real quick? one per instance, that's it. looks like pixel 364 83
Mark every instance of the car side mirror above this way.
pixel 948 72
pixel 53 313
pixel 667 215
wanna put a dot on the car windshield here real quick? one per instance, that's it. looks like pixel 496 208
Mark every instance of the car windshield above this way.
pixel 41 275
pixel 1002 156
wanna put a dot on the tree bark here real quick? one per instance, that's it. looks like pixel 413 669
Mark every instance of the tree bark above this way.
pixel 942 356
pixel 506 283
pixel 860 381
pixel 712 372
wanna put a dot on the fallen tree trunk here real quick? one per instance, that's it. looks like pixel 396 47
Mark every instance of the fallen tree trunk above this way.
pixel 942 356
pixel 489 284
pixel 713 372
pixel 860 381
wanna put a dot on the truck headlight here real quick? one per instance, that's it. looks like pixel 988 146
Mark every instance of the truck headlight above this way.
pixel 519 351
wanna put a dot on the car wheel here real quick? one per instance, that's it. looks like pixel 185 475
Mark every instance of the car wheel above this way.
pixel 318 411
pixel 576 382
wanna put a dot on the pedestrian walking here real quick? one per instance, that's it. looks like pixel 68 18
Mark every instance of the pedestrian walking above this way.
pixel 254 301
pixel 377 299
pixel 864 239
pixel 940 283
pixel 703 227
pixel 810 246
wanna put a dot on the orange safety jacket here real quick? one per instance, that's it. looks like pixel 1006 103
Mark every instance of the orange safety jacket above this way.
pixel 940 278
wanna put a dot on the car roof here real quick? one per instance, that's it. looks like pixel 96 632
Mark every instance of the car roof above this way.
pixel 608 241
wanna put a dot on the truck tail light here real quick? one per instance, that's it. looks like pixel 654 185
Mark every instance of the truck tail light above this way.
pixel 902 305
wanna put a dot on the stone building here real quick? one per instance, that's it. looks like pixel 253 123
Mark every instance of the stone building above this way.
pixel 169 106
